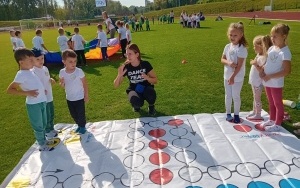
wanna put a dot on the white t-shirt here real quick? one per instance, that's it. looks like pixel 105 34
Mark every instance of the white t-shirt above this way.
pixel 128 35
pixel 63 42
pixel 232 52
pixel 13 40
pixel 103 39
pixel 274 63
pixel 19 43
pixel 73 84
pixel 37 42
pixel 28 80
pixel 111 26
pixel 122 31
pixel 254 78
pixel 44 76
pixel 77 39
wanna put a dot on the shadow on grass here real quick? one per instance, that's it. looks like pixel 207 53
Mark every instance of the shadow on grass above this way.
pixel 144 113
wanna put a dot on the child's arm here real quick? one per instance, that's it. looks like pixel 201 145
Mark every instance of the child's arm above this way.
pixel 45 47
pixel 224 61
pixel 98 44
pixel 85 88
pixel 14 89
pixel 286 70
pixel 119 37
pixel 62 82
pixel 237 69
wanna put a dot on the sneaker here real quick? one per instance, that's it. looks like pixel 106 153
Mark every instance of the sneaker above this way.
pixel 268 123
pixel 229 117
pixel 136 109
pixel 77 130
pixel 51 134
pixel 255 117
pixel 151 110
pixel 45 147
pixel 251 114
pixel 236 119
pixel 82 130
pixel 49 142
pixel 272 128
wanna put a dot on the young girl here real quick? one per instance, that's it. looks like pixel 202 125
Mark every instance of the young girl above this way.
pixel 261 45
pixel 128 34
pixel 142 79
pixel 122 37
pixel 233 59
pixel 278 66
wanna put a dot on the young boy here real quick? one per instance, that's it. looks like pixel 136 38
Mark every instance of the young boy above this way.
pixel 75 84
pixel 78 46
pixel 102 42
pixel 62 40
pixel 38 42
pixel 147 24
pixel 43 74
pixel 19 41
pixel 13 39
pixel 26 83
pixel 122 37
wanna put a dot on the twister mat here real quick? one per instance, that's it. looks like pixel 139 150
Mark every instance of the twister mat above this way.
pixel 184 151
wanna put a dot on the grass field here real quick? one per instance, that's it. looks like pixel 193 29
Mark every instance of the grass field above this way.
pixel 195 87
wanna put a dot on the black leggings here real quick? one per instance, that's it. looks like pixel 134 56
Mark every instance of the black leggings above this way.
pixel 77 111
pixel 137 99
pixel 123 46
pixel 80 57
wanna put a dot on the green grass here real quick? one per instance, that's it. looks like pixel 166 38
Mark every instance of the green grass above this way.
pixel 195 87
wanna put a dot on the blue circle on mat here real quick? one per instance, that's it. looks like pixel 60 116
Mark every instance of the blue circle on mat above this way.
pixel 227 186
pixel 260 184
pixel 286 183
pixel 193 187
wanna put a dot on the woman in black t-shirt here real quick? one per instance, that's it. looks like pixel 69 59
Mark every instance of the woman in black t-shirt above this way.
pixel 141 77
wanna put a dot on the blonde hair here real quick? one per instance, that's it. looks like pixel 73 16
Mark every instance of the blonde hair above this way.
pixel 281 29
pixel 238 26
pixel 264 41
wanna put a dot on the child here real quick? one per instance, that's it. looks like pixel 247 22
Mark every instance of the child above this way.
pixel 62 40
pixel 26 83
pixel 122 37
pixel 19 41
pixel 261 45
pixel 78 45
pixel 233 59
pixel 38 42
pixel 43 74
pixel 102 42
pixel 147 25
pixel 75 84
pixel 128 34
pixel 13 39
pixel 278 66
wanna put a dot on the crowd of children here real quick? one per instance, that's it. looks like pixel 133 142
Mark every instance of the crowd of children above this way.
pixel 268 69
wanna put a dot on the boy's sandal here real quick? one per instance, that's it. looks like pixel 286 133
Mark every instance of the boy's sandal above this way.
pixel 297 132
pixel 296 124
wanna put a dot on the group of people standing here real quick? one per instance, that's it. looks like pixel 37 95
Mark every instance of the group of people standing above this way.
pixel 191 20
pixel 271 64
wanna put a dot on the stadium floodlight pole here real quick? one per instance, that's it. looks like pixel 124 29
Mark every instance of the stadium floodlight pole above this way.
pixel 271 4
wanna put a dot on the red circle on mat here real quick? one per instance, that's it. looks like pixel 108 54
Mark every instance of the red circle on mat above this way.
pixel 161 176
pixel 157 133
pixel 159 158
pixel 259 127
pixel 175 122
pixel 242 128
pixel 158 144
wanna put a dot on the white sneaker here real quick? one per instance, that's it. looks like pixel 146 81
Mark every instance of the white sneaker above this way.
pixel 273 128
pixel 251 114
pixel 51 134
pixel 268 123
pixel 45 147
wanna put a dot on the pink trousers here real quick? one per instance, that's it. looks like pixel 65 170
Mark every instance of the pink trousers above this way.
pixel 276 109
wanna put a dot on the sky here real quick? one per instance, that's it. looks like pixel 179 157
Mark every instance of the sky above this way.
pixel 127 3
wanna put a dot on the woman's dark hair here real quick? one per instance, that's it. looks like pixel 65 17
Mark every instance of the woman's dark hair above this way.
pixel 134 48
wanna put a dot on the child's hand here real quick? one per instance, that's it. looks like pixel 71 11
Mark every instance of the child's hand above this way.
pixel 262 74
pixel 62 82
pixel 231 80
pixel 32 93
pixel 86 99
pixel 232 65
pixel 253 62
pixel 52 81
pixel 266 78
